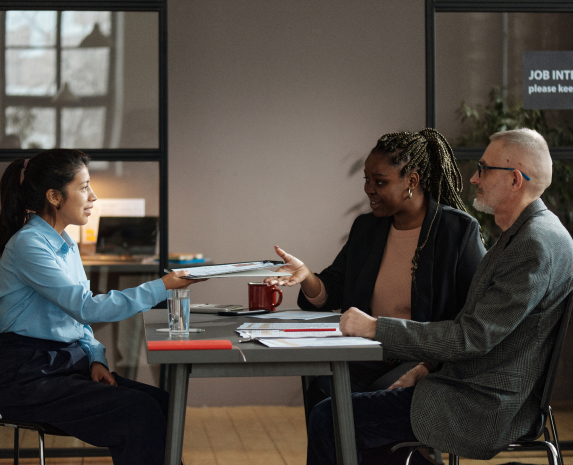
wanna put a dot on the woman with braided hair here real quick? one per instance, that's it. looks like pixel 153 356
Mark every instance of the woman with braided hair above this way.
pixel 412 257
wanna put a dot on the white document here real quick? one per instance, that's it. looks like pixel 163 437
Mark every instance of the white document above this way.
pixel 319 342
pixel 252 326
pixel 276 333
pixel 258 268
pixel 297 315
pixel 251 273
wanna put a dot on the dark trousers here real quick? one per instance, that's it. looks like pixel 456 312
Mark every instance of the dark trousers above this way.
pixel 381 419
pixel 362 376
pixel 49 382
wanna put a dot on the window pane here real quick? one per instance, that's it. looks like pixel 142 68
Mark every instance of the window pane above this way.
pixel 83 127
pixel 35 127
pixel 479 60
pixel 86 70
pixel 30 72
pixel 76 25
pixel 30 28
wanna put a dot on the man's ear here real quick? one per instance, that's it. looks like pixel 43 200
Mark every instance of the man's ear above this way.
pixel 517 180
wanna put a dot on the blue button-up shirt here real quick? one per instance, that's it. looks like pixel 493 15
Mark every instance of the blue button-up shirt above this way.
pixel 44 292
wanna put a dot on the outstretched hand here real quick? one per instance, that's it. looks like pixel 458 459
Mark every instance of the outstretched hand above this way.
pixel 174 280
pixel 298 270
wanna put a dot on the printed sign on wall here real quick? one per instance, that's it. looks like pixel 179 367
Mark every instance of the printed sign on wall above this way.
pixel 548 80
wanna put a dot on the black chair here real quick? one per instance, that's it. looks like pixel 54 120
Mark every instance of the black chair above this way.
pixel 531 441
pixel 42 429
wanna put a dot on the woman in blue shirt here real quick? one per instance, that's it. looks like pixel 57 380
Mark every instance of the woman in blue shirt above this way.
pixel 52 369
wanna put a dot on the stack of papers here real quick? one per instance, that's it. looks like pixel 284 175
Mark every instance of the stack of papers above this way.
pixel 317 342
pixel 259 268
pixel 288 330
pixel 299 335
pixel 296 315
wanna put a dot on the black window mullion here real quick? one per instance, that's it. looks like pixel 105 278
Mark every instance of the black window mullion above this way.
pixel 110 96
pixel 57 105
pixel 3 73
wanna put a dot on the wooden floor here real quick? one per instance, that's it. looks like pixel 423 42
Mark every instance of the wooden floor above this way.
pixel 256 436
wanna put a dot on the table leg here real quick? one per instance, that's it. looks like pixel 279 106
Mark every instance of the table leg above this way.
pixel 342 415
pixel 178 385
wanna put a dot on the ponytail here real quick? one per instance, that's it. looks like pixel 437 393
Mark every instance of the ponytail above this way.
pixel 13 214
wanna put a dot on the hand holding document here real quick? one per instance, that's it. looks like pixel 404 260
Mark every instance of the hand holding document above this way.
pixel 256 269
pixel 297 270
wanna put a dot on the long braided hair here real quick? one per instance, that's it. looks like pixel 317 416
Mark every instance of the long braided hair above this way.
pixel 429 154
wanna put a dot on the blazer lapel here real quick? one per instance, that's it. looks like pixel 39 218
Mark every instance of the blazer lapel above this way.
pixel 422 288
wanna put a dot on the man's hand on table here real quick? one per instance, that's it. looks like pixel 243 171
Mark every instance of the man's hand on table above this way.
pixel 354 322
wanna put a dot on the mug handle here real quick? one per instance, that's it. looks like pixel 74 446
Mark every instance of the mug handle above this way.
pixel 280 298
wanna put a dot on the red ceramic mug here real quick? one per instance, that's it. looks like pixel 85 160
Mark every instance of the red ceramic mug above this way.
pixel 263 296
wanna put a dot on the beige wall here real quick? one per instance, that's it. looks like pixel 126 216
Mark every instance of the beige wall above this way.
pixel 270 102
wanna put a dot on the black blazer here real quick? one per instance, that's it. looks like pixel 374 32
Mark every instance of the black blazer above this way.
pixel 446 265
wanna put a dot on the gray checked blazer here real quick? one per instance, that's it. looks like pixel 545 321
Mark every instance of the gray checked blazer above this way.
pixel 496 351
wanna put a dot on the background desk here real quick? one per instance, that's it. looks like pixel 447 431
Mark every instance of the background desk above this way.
pixel 260 361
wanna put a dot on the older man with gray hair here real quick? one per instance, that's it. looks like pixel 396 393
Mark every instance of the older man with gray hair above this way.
pixel 491 359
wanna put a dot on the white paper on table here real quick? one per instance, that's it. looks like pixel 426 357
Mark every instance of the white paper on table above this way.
pixel 296 315
pixel 319 342
pixel 251 326
pixel 273 333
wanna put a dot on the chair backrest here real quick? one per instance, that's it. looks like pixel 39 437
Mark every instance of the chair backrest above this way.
pixel 556 355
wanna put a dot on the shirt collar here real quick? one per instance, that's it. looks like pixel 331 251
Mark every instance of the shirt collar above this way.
pixel 57 242
pixel 534 207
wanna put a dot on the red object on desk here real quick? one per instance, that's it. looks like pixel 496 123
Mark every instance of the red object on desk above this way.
pixel 309 329
pixel 190 345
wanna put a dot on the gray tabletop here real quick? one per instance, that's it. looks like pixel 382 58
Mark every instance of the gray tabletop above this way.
pixel 223 327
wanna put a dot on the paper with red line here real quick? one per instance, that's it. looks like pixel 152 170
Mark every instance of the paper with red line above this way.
pixel 288 330
pixel 318 342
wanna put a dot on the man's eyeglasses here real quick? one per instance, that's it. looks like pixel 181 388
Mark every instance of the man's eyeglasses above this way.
pixel 483 167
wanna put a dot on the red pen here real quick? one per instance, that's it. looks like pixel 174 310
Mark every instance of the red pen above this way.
pixel 309 329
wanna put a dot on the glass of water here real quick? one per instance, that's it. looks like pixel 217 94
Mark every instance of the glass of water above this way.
pixel 178 309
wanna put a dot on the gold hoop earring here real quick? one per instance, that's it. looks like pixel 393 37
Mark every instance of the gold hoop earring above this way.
pixel 409 193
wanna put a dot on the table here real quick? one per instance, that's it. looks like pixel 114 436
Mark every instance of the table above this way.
pixel 260 361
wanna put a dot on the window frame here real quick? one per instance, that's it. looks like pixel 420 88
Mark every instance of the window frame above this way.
pixel 477 6
pixel 106 100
